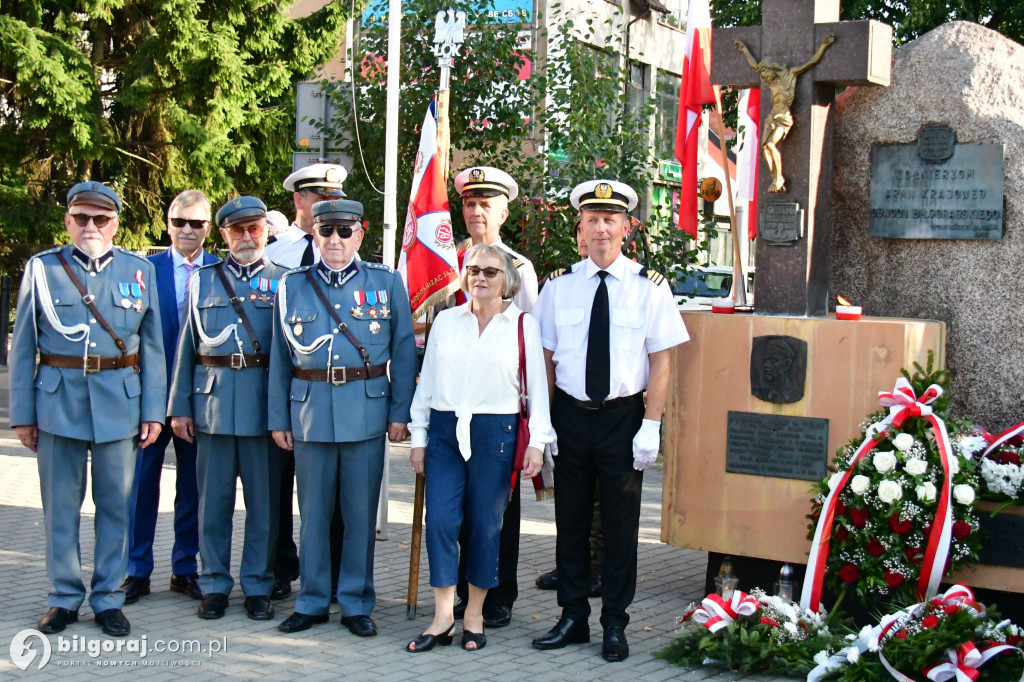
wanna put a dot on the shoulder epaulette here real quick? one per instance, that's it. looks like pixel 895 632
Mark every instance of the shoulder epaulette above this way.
pixel 54 249
pixel 655 277
pixel 518 262
pixel 558 273
pixel 129 252
pixel 301 268
pixel 377 266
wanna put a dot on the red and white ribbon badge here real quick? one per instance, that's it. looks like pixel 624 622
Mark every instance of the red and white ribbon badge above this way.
pixel 996 442
pixel 138 278
pixel 903 404
pixel 716 613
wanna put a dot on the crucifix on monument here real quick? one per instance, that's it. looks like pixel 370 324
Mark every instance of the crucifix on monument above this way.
pixel 798 56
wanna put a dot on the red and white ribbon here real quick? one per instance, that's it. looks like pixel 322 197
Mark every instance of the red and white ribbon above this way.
pixel 140 280
pixel 903 404
pixel 996 442
pixel 964 661
pixel 716 613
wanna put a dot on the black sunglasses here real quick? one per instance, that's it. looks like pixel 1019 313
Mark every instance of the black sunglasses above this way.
pixel 344 231
pixel 194 224
pixel 489 273
pixel 99 221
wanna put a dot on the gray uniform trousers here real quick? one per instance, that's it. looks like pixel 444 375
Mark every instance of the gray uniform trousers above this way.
pixel 221 461
pixel 62 471
pixel 352 471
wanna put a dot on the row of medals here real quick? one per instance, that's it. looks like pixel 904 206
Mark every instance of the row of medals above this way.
pixel 358 312
pixel 130 290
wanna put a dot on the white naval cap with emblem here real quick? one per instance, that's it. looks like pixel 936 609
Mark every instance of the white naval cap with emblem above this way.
pixel 323 178
pixel 486 181
pixel 603 195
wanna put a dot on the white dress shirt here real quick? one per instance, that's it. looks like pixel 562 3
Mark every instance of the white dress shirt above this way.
pixel 287 250
pixel 643 317
pixel 469 373
pixel 181 274
pixel 526 297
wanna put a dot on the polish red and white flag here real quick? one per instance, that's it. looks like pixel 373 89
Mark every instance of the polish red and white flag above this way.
pixel 748 156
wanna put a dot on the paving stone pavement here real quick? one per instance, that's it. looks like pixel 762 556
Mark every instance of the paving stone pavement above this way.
pixel 238 648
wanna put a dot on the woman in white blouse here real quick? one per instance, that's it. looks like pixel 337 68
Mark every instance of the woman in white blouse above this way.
pixel 464 422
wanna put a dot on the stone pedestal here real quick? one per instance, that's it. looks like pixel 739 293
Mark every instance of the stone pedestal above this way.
pixel 848 362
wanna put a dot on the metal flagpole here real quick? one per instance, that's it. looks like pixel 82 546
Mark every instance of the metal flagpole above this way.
pixel 739 282
pixel 449 28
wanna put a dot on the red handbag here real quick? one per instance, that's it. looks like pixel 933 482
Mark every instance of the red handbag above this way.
pixel 523 434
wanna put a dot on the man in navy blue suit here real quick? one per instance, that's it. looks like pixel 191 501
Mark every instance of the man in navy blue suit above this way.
pixel 188 224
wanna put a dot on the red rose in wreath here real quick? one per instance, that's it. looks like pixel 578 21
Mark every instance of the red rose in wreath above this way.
pixel 875 548
pixel 849 573
pixel 914 555
pixel 900 527
pixel 859 517
pixel 930 622
pixel 768 621
pixel 1006 457
pixel 893 579
pixel 841 532
pixel 961 529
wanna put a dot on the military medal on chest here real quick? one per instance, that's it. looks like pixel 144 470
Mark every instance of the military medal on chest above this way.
pixel 360 297
pixel 375 327
pixel 382 296
pixel 129 291
pixel 371 298
pixel 263 289
pixel 297 329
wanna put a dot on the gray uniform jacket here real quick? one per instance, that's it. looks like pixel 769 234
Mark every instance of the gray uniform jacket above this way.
pixel 103 406
pixel 223 400
pixel 306 336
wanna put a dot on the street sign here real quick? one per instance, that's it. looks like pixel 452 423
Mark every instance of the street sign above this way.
pixel 309 116
pixel 303 159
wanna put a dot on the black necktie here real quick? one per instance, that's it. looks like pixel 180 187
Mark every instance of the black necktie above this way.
pixel 599 358
pixel 307 255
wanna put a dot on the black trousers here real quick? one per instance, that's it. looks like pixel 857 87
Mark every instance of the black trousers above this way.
pixel 596 446
pixel 507 591
pixel 286 560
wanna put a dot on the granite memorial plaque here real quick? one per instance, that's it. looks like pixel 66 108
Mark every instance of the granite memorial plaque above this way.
pixel 781 223
pixel 918 194
pixel 777 445
pixel 1008 550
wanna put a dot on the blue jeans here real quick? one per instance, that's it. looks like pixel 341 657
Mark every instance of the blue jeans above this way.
pixel 476 492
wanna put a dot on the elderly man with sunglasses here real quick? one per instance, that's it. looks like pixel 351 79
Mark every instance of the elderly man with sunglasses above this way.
pixel 188 225
pixel 87 377
pixel 218 399
pixel 337 327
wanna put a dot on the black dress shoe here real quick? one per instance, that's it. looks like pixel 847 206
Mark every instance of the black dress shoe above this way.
pixel 134 588
pixel 496 616
pixel 113 622
pixel 596 588
pixel 282 588
pixel 213 606
pixel 361 626
pixel 56 619
pixel 297 622
pixel 459 609
pixel 259 608
pixel 427 642
pixel 187 584
pixel 615 647
pixel 548 581
pixel 566 631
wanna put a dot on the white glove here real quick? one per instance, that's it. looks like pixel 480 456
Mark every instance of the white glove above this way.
pixel 550 452
pixel 646 444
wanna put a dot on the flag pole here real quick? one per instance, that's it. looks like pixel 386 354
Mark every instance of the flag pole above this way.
pixel 739 283
pixel 449 29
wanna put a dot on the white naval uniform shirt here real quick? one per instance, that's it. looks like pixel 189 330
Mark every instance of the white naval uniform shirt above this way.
pixel 287 250
pixel 643 316
pixel 469 373
pixel 526 297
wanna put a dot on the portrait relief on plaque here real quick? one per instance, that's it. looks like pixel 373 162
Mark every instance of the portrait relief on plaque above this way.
pixel 778 369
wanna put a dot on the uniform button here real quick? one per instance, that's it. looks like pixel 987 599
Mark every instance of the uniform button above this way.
pixel 92 274
pixel 92 345
pixel 335 330
pixel 92 320
pixel 335 357
pixel 56 300
pixel 337 306
pixel 239 319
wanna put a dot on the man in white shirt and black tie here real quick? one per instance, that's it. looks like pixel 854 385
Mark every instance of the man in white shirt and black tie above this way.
pixel 293 248
pixel 607 327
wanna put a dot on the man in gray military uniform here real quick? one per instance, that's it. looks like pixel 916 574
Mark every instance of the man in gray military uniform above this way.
pixel 337 326
pixel 218 398
pixel 99 387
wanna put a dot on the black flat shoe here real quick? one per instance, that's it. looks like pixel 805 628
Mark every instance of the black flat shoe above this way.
pixel 56 619
pixel 427 642
pixel 615 647
pixel 213 606
pixel 497 616
pixel 477 638
pixel 113 622
pixel 282 589
pixel 187 584
pixel 297 622
pixel 547 581
pixel 134 588
pixel 259 608
pixel 566 631
pixel 361 626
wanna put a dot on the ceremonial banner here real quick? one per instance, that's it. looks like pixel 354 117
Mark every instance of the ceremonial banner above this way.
pixel 694 92
pixel 747 157
pixel 428 260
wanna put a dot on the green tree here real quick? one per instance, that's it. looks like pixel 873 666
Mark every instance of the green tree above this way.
pixel 909 18
pixel 152 97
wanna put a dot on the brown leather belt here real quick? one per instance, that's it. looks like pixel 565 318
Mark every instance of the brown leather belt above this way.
pixel 340 375
pixel 90 363
pixel 234 361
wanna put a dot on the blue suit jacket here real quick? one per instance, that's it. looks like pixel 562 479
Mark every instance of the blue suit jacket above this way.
pixel 164 265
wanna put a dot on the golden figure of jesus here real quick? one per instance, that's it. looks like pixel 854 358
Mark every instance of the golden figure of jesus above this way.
pixel 781 80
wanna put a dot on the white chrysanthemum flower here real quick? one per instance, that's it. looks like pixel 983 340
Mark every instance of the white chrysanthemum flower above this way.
pixel 903 442
pixel 971 445
pixel 889 491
